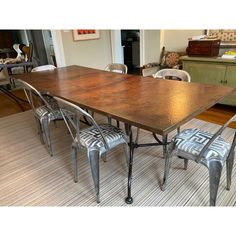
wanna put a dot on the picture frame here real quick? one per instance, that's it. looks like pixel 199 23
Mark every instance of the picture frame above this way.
pixel 85 34
pixel 227 36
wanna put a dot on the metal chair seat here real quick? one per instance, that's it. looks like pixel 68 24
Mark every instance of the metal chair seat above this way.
pixel 190 142
pixel 91 138
pixel 44 112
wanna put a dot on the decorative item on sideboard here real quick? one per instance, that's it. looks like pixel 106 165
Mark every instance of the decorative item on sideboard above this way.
pixel 203 47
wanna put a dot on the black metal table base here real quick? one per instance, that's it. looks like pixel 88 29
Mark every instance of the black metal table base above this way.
pixel 132 145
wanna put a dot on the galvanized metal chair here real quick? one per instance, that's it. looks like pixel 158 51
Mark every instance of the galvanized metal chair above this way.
pixel 175 74
pixel 117 67
pixel 211 150
pixel 44 112
pixel 96 140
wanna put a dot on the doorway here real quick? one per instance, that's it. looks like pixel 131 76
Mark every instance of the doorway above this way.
pixel 43 49
pixel 130 41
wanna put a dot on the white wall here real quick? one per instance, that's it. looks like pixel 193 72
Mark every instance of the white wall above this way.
pixel 97 53
pixel 94 53
pixel 151 47
pixel 177 40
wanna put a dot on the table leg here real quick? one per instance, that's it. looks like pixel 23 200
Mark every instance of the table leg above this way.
pixel 128 128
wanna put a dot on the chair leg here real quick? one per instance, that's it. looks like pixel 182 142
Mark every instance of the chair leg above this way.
pixel 178 130
pixel 185 164
pixel 74 159
pixel 165 147
pixel 215 168
pixel 40 130
pixel 168 157
pixel 229 167
pixel 45 125
pixel 104 157
pixel 94 165
pixel 109 120
pixel 118 124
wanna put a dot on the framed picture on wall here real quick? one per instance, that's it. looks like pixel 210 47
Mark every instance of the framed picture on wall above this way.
pixel 85 34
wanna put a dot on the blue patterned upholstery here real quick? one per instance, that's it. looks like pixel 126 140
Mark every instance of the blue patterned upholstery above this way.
pixel 190 142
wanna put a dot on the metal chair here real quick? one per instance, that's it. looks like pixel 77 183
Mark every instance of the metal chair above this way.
pixel 44 112
pixel 46 96
pixel 174 74
pixel 211 150
pixel 117 67
pixel 96 140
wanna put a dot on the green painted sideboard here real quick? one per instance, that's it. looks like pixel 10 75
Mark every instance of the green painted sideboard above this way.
pixel 212 70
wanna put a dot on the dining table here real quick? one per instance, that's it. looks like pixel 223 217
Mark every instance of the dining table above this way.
pixel 156 105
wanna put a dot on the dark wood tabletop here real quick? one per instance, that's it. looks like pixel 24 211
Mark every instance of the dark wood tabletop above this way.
pixel 159 106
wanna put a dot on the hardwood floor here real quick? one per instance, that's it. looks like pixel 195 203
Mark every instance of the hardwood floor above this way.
pixel 218 114
pixel 8 106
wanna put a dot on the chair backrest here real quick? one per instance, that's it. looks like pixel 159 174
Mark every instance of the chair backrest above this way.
pixel 216 135
pixel 34 97
pixel 179 74
pixel 66 106
pixel 117 67
pixel 42 68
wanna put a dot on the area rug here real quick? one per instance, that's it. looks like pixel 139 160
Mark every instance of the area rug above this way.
pixel 29 176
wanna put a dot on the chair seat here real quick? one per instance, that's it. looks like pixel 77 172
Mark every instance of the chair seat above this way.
pixel 190 142
pixel 91 138
pixel 43 111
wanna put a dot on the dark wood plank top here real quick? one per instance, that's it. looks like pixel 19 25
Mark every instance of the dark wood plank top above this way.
pixel 156 105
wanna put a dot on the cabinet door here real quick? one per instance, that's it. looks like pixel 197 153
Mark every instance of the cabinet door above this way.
pixel 230 80
pixel 207 73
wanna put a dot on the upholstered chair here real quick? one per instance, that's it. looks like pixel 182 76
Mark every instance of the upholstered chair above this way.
pixel 44 110
pixel 210 150
pixel 95 140
pixel 117 68
pixel 174 74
